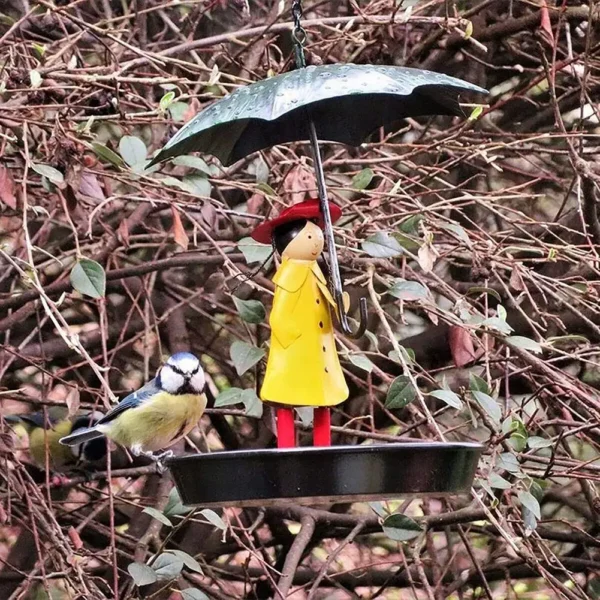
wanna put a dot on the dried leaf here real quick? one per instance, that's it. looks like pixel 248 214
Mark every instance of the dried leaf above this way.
pixel 75 539
pixel 461 346
pixel 209 214
pixel 181 237
pixel 426 257
pixel 298 182
pixel 254 204
pixel 7 188
pixel 545 22
pixel 73 401
pixel 90 186
pixel 516 280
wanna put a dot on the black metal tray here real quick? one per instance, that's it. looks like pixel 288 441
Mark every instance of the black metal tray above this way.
pixel 315 475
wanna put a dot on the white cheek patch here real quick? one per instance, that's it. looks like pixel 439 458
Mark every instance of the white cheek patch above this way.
pixel 170 381
pixel 197 381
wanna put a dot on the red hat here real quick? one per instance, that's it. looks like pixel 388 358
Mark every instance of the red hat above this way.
pixel 309 209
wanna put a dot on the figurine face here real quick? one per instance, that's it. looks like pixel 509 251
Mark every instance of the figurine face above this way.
pixel 307 245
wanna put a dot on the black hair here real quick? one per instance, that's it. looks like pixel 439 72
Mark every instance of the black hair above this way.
pixel 285 233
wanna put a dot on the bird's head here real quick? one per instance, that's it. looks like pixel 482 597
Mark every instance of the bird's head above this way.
pixel 182 374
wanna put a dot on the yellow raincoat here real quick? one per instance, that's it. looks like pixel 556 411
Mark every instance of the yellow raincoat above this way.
pixel 303 367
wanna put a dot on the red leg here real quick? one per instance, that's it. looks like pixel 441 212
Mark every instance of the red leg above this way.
pixel 286 433
pixel 322 427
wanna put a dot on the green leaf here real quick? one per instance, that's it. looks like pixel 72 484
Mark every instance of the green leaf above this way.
pixel 193 594
pixel 361 361
pixel 499 482
pixel 401 528
pixel 251 311
pixel 407 353
pixel 411 225
pixel 214 519
pixel 88 278
pixel 408 290
pixel 39 49
pixel 529 520
pixel 489 405
pixel 497 324
pixel 245 356
pixel 400 394
pixel 35 78
pixel 166 101
pixel 189 561
pixel 382 245
pixel 261 170
pixel 306 414
pixel 476 112
pixel 193 162
pixel 361 180
pixel 167 566
pixel 133 150
pixel 174 505
pixel 178 111
pixel 535 442
pixel 266 189
pixel 107 154
pixel 156 514
pixel 197 185
pixel 567 340
pixel 476 384
pixel 530 502
pixel 253 405
pixel 457 231
pixel 525 343
pixel 233 395
pixel 483 290
pixel 50 173
pixel 141 574
pixel 253 251
pixel 508 462
pixel 449 397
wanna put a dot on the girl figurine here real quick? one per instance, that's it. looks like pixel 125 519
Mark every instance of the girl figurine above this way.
pixel 303 367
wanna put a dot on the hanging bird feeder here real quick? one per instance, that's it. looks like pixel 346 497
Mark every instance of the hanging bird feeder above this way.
pixel 342 103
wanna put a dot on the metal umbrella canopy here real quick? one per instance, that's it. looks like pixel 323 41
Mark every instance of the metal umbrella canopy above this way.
pixel 345 102
pixel 338 103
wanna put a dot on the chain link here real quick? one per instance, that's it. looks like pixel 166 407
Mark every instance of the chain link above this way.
pixel 298 33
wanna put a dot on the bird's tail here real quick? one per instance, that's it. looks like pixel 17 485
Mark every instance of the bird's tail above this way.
pixel 80 436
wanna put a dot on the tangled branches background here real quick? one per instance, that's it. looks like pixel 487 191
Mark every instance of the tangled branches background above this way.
pixel 476 241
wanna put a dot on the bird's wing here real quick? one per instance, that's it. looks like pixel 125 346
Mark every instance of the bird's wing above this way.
pixel 131 401
pixel 37 420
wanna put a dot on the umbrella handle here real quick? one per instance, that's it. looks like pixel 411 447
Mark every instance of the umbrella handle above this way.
pixel 334 267
pixel 343 318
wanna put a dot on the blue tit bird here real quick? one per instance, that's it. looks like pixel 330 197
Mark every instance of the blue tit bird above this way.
pixel 156 416
pixel 46 432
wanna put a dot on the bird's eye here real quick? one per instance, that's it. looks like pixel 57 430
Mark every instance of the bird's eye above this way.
pixel 310 237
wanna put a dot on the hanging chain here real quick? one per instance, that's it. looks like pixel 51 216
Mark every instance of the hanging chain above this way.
pixel 298 34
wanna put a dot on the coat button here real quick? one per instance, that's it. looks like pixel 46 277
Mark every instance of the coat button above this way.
pixel 318 301
pixel 326 370
pixel 321 324
pixel 324 349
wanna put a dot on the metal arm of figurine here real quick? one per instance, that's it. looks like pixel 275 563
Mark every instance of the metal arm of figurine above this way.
pixel 336 280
